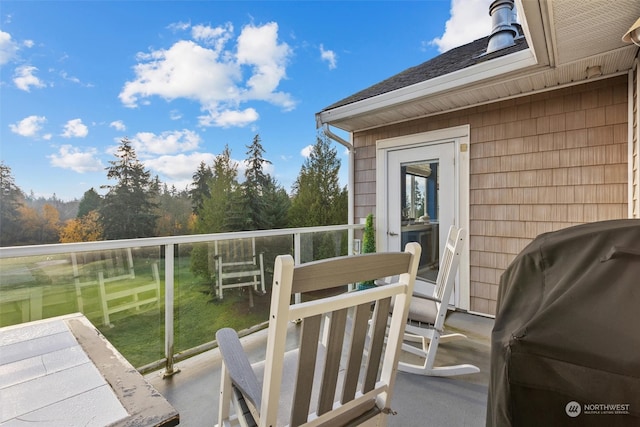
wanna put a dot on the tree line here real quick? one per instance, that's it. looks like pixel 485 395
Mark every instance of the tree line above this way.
pixel 137 205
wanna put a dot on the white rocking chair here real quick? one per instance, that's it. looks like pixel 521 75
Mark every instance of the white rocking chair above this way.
pixel 341 372
pixel 427 315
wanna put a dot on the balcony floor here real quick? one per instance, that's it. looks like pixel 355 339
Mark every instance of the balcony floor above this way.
pixel 418 400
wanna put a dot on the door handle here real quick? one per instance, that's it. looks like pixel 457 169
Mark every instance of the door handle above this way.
pixel 392 233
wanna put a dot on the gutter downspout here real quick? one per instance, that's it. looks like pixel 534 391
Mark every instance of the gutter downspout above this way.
pixel 351 178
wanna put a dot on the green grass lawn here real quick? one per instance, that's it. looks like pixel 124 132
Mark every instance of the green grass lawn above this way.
pixel 140 338
pixel 137 334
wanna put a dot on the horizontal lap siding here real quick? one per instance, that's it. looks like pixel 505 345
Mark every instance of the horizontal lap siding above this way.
pixel 537 164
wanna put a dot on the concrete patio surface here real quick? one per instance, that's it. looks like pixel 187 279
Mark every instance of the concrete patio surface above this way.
pixel 419 401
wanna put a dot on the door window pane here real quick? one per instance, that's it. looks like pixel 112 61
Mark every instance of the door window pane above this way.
pixel 420 213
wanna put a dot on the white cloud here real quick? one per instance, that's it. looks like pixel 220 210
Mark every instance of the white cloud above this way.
pixel 29 126
pixel 259 47
pixel 216 37
pixel 175 115
pixel 74 79
pixel 73 158
pixel 229 118
pixel 186 70
pixel 208 72
pixel 179 167
pixel 469 21
pixel 168 142
pixel 28 43
pixel 306 151
pixel 24 78
pixel 118 125
pixel 329 56
pixel 75 129
pixel 179 26
pixel 8 48
pixel 66 76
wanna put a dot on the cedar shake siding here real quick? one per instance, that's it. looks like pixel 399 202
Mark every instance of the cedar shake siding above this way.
pixel 537 163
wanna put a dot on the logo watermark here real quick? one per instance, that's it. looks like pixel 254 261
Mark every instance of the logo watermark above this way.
pixel 574 409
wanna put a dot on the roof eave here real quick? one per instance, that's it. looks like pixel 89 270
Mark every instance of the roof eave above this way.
pixel 469 76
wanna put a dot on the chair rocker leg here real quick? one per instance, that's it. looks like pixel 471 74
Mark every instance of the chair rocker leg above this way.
pixel 438 371
pixel 428 352
pixel 452 337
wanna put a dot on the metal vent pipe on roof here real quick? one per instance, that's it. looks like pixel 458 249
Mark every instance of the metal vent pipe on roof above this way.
pixel 502 32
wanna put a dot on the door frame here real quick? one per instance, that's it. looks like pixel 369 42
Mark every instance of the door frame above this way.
pixel 459 136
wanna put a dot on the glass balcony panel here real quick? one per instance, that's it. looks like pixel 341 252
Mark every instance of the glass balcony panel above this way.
pixel 201 308
pixel 321 245
pixel 121 291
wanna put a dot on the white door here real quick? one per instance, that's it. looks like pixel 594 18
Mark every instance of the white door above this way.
pixel 421 204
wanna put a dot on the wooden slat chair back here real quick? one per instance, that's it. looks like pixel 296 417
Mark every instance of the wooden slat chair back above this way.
pixel 427 314
pixel 447 271
pixel 342 372
pixel 238 265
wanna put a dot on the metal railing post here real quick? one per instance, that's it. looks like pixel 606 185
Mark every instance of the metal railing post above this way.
pixel 296 260
pixel 169 269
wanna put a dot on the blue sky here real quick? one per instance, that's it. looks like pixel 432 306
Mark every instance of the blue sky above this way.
pixel 183 79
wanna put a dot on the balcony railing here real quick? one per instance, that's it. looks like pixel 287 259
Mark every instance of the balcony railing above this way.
pixel 155 299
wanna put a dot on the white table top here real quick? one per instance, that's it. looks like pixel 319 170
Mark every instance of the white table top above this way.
pixel 63 372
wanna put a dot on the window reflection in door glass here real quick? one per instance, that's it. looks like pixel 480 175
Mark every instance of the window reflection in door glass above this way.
pixel 420 207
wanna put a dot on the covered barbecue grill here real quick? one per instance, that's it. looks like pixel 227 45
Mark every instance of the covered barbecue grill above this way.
pixel 565 348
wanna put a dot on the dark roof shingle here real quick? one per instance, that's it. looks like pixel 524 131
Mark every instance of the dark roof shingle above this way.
pixel 453 60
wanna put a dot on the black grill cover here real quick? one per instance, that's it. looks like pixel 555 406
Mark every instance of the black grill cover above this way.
pixel 565 347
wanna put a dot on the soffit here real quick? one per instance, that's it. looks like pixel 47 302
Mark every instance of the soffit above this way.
pixel 587 28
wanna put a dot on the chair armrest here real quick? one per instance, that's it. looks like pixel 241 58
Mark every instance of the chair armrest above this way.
pixel 238 366
pixel 417 294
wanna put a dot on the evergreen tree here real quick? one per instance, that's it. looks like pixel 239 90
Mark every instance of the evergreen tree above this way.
pixel 127 211
pixel 213 217
pixel 200 187
pixel 11 199
pixel 90 202
pixel 254 187
pixel 217 213
pixel 276 203
pixel 238 215
pixel 317 197
pixel 174 211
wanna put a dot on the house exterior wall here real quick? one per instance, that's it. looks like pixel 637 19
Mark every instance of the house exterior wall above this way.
pixel 537 163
